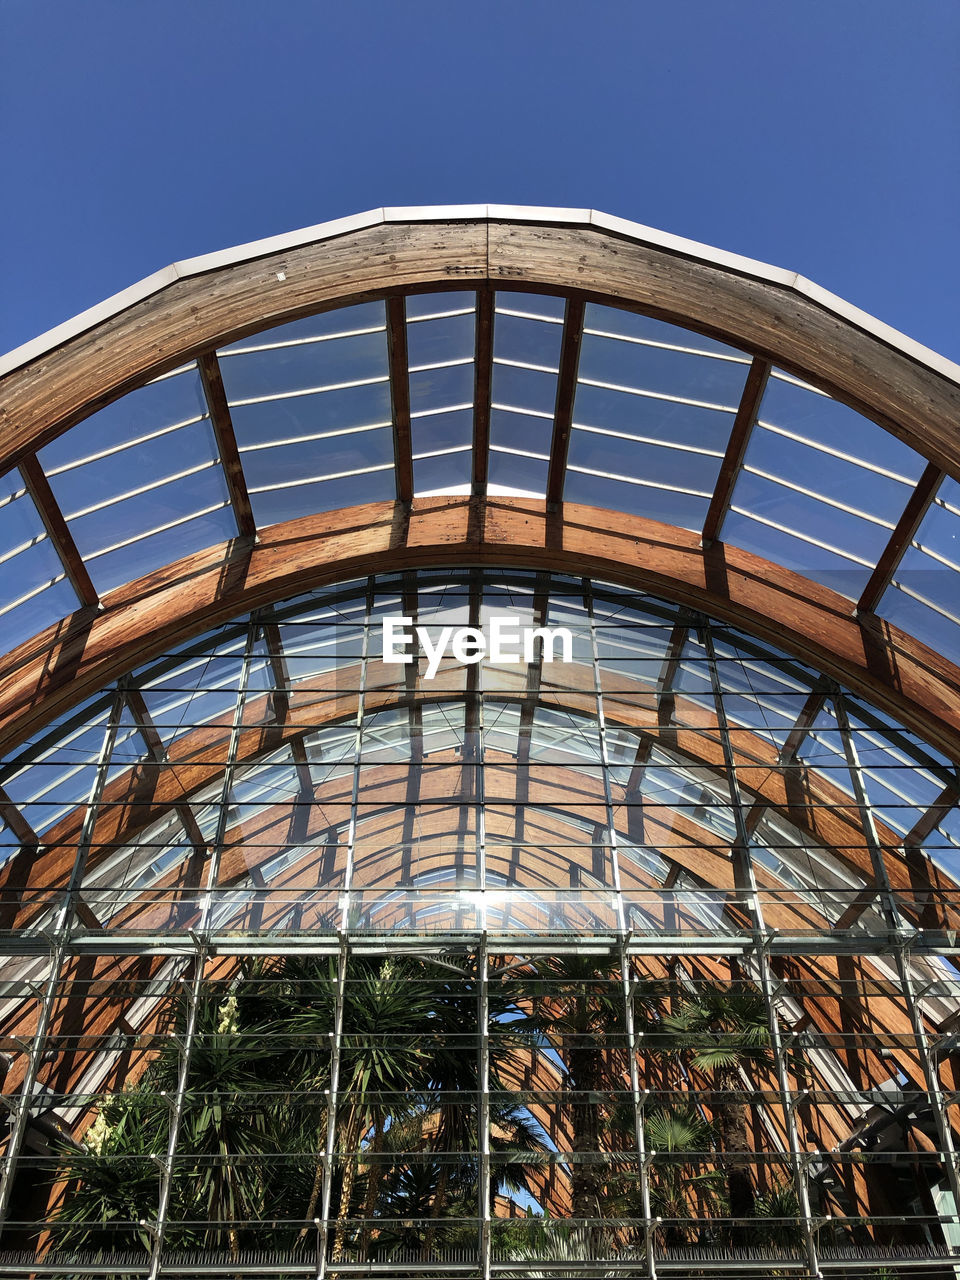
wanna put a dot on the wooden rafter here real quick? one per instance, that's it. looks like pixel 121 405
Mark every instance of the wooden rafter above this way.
pixel 482 390
pixel 38 486
pixel 566 393
pixel 222 421
pixel 740 432
pixel 400 397
pixel 931 818
pixel 13 817
pixel 917 506
pixel 898 675
pixel 814 704
pixel 193 313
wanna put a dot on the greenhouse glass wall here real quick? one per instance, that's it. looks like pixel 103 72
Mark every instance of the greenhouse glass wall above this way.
pixel 479 783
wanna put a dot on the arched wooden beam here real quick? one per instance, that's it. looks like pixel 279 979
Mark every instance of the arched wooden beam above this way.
pixel 194 307
pixel 75 658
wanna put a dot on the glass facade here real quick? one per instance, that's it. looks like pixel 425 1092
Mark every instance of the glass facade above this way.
pixel 633 955
pixel 456 908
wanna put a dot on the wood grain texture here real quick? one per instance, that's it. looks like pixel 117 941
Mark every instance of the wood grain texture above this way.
pixel 75 658
pixel 197 314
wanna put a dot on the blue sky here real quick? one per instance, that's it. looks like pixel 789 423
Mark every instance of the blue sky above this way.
pixel 820 135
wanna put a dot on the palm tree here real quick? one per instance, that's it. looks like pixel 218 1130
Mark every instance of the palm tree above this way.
pixel 383 1056
pixel 112 1182
pixel 681 1187
pixel 719 1030
pixel 578 1009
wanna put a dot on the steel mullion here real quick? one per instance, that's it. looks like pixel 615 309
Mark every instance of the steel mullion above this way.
pixel 176 1112
pixel 473 725
pixel 742 855
pixel 61 930
pixel 640 1136
pixel 902 929
pixel 233 747
pixel 332 1103
pixel 483 1084
pixel 357 761
pixel 605 760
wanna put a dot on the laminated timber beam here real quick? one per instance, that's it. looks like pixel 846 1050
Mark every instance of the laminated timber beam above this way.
pixel 192 308
pixel 873 658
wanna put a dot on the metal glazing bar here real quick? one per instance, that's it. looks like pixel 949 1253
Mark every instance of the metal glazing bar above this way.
pixel 60 935
pixel 357 760
pixel 330 1144
pixel 473 755
pixel 484 1190
pixel 566 394
pixel 745 874
pixel 906 527
pixel 639 1135
pixel 176 1111
pixel 482 390
pixel 233 746
pixel 604 758
pixel 400 396
pixel 899 926
pixel 528 707
pixel 38 487
pixel 736 450
pixel 212 381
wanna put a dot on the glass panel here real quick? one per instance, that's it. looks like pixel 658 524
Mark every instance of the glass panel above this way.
pixel 683 509
pixel 37 592
pixel 328 324
pixel 140 483
pixel 923 596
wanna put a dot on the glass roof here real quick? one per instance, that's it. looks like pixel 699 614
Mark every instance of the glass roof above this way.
pixel 313 407
pixel 541 765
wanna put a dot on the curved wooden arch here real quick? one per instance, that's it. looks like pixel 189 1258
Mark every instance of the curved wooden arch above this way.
pixel 74 659
pixel 198 306
pixel 146 793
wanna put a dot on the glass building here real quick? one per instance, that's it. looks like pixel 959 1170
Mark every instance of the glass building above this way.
pixel 479 719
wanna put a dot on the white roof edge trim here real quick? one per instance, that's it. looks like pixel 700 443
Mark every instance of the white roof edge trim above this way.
pixel 159 280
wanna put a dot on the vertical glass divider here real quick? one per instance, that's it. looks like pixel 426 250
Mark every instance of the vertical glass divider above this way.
pixel 60 936
pixel 638 1100
pixel 230 764
pixel 484 1189
pixel 176 1110
pixel 902 932
pixel 605 760
pixel 330 1144
pixel 742 856
pixel 357 760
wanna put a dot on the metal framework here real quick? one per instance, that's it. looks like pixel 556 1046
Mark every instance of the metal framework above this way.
pixel 700 871
pixel 641 964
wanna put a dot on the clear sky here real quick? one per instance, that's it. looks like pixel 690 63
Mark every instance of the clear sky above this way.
pixel 819 135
